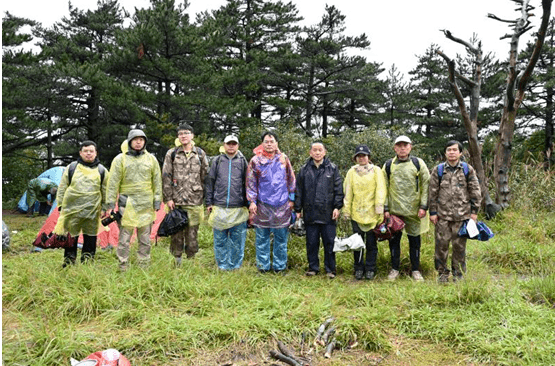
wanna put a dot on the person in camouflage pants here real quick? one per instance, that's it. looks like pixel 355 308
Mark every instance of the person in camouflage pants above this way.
pixel 454 196
pixel 183 176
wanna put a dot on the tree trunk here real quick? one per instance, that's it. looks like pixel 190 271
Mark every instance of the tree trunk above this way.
pixel 515 82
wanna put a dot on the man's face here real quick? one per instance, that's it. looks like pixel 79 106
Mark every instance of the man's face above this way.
pixel 269 144
pixel 138 143
pixel 317 152
pixel 185 137
pixel 88 153
pixel 402 149
pixel 231 147
pixel 453 154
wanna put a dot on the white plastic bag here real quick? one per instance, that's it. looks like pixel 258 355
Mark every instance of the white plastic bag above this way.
pixel 353 242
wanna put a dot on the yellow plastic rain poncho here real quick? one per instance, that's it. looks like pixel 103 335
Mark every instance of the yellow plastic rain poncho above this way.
pixel 406 195
pixel 138 180
pixel 365 193
pixel 81 201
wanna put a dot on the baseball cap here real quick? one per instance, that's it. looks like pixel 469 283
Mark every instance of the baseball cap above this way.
pixel 230 138
pixel 403 138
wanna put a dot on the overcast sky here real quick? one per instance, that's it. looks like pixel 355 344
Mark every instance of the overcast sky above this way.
pixel 398 30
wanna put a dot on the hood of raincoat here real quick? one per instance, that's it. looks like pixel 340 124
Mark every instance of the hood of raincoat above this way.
pixel 130 136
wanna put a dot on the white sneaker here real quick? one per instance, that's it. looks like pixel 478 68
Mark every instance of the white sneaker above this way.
pixel 393 274
pixel 417 276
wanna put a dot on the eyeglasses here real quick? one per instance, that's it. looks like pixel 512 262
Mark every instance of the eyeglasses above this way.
pixel 184 133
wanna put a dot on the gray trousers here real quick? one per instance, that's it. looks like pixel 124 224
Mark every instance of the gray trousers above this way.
pixel 143 251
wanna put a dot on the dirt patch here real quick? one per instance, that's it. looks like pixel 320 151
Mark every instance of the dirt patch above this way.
pixel 405 351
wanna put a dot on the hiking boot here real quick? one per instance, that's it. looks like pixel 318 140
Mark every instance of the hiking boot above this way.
pixel 443 278
pixel 370 275
pixel 310 273
pixel 458 278
pixel 330 275
pixel 359 274
pixel 393 274
pixel 177 262
pixel 417 276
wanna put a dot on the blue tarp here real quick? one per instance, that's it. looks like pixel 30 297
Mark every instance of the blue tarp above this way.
pixel 53 174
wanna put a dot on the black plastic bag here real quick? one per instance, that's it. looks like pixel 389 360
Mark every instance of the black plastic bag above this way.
pixel 174 221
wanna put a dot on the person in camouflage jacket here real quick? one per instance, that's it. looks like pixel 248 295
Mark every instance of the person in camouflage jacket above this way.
pixel 454 196
pixel 183 176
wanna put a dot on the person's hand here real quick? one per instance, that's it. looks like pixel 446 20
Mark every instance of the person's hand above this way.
pixel 433 219
pixel 421 213
pixel 252 208
pixel 474 217
pixel 170 204
pixel 291 204
pixel 209 209
pixel 386 215
pixel 298 215
pixel 335 214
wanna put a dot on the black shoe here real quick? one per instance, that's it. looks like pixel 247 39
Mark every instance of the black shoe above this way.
pixel 370 275
pixel 68 261
pixel 359 274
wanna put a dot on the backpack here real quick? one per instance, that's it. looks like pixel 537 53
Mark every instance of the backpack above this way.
pixel 441 169
pixel 414 160
pixel 73 166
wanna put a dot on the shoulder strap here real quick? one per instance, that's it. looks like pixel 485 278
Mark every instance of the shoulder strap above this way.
pixel 71 171
pixel 416 163
pixel 199 151
pixel 102 172
pixel 465 169
pixel 440 169
pixel 174 153
pixel 388 167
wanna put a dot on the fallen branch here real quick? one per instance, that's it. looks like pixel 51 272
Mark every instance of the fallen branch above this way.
pixel 288 360
pixel 289 353
pixel 327 335
pixel 329 349
pixel 321 330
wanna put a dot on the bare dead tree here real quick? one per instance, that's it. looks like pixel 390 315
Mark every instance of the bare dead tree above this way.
pixel 514 93
pixel 470 120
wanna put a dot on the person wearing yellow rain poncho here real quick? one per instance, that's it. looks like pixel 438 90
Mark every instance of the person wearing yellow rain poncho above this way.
pixel 135 175
pixel 407 178
pixel 82 198
pixel 365 193
pixel 183 176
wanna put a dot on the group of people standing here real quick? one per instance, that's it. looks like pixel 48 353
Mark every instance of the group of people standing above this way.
pixel 265 193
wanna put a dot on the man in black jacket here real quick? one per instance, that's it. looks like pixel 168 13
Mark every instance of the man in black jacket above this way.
pixel 319 196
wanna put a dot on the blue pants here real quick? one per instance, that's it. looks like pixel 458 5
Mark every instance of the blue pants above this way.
pixel 313 234
pixel 262 245
pixel 229 246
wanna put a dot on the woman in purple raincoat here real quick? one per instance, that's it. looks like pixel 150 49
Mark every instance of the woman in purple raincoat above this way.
pixel 271 195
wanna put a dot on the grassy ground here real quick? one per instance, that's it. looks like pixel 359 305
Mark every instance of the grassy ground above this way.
pixel 503 313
